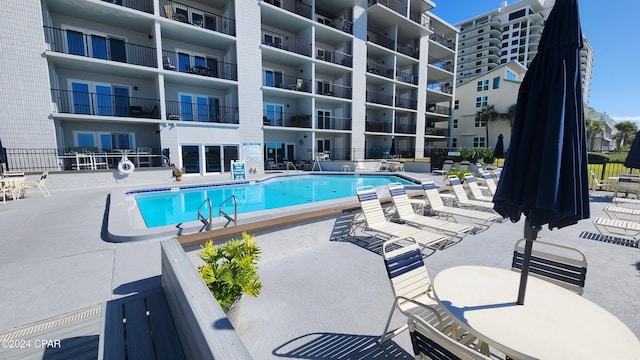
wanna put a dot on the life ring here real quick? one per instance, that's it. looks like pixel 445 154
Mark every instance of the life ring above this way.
pixel 125 166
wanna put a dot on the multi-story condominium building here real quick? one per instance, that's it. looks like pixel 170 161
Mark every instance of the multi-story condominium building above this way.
pixel 603 141
pixel 498 87
pixel 207 82
pixel 510 32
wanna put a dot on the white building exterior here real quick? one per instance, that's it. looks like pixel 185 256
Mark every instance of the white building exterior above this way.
pixel 498 87
pixel 207 82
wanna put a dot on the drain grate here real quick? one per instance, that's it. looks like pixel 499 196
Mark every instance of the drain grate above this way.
pixel 51 324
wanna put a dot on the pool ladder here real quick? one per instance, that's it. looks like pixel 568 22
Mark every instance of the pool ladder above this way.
pixel 208 222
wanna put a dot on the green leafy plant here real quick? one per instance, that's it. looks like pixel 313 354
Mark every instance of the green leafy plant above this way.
pixel 230 269
pixel 458 172
pixel 177 172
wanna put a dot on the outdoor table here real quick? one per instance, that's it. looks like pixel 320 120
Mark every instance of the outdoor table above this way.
pixel 553 323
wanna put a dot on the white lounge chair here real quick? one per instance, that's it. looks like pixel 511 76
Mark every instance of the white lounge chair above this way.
pixel 627 230
pixel 463 199
pixel 376 221
pixel 481 218
pixel 446 167
pixel 476 190
pixel 622 213
pixel 627 202
pixel 405 212
pixel 490 182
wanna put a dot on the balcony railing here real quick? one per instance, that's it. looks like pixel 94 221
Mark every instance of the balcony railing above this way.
pixel 340 91
pixel 378 126
pixel 394 5
pixel 381 40
pixel 438 109
pixel 333 123
pixel 420 18
pixel 378 98
pixel 335 57
pixel 338 23
pixel 441 64
pixel 379 70
pixel 407 77
pixel 408 50
pixel 99 47
pixel 86 103
pixel 441 87
pixel 279 80
pixel 406 103
pixel 449 43
pixel 286 119
pixel 202 66
pixel 294 6
pixel 198 17
pixel 141 5
pixel 208 113
pixel 405 128
pixel 436 132
pixel 289 43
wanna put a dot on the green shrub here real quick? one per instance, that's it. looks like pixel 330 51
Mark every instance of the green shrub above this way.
pixel 466 153
pixel 598 158
pixel 230 269
pixel 458 172
pixel 486 154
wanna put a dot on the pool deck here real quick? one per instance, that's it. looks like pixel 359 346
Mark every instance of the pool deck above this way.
pixel 325 295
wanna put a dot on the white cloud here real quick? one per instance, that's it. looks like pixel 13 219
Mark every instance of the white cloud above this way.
pixel 625 118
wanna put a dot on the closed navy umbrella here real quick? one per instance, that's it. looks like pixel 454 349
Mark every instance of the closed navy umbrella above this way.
pixel 545 176
pixel 498 151
pixel 3 159
pixel 392 150
pixel 633 157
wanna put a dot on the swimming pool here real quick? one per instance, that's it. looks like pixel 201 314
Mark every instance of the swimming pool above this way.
pixel 162 207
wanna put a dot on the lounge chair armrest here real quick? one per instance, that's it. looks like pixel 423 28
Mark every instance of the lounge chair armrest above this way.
pixel 422 305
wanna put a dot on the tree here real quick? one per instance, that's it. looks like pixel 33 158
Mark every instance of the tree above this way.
pixel 510 114
pixel 594 128
pixel 626 132
pixel 487 114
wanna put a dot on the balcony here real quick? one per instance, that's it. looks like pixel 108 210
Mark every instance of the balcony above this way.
pixel 201 66
pixel 336 23
pixel 206 113
pixel 409 51
pixel 429 131
pixel 445 65
pixel 406 77
pixel 141 5
pixel 394 5
pixel 441 87
pixel 405 127
pixel 378 126
pixel 381 40
pixel 288 43
pixel 378 98
pixel 378 69
pixel 438 109
pixel 294 6
pixel 333 123
pixel 448 43
pixel 336 90
pixel 99 47
pixel 286 119
pixel 199 18
pixel 406 103
pixel 281 81
pixel 86 103
pixel 335 57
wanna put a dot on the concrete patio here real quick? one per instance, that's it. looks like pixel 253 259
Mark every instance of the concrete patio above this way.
pixel 325 295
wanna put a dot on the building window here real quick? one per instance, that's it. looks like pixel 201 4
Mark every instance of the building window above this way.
pixel 505 37
pixel 479 142
pixel 482 85
pixel 455 123
pixel 454 143
pixel 479 55
pixel 480 31
pixel 514 42
pixel 481 101
pixel 479 62
pixel 456 104
pixel 478 47
pixel 515 34
pixel 479 123
pixel 480 38
pixel 503 61
pixel 504 52
pixel 505 28
pixel 514 50
pixel 516 25
pixel 496 82
pixel 510 76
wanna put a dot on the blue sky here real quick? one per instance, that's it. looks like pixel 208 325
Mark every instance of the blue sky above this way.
pixel 609 27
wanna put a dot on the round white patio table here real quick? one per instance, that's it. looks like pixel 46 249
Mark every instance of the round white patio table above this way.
pixel 553 323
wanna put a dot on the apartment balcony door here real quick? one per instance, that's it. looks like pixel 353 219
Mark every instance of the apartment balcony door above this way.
pixel 324 119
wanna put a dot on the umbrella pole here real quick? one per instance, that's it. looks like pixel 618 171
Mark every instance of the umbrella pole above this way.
pixel 530 235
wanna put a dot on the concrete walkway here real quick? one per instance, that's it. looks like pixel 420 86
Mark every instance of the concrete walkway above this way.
pixel 320 289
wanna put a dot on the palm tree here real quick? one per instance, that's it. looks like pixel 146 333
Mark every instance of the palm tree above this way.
pixel 487 114
pixel 594 128
pixel 510 114
pixel 627 129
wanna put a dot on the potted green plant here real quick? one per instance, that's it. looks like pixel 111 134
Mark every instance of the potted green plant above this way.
pixel 230 269
pixel 177 173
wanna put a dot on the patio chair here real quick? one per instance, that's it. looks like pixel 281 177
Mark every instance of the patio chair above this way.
pixel 405 212
pixel 490 182
pixel 596 184
pixel 463 199
pixel 412 292
pixel 476 190
pixel 429 342
pixel 376 222
pixel 627 230
pixel 622 213
pixel 481 218
pixel 626 202
pixel 446 167
pixel 562 265
pixel 40 184
pixel 5 189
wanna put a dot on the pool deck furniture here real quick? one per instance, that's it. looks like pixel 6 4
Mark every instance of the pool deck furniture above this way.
pixel 464 201
pixel 180 320
pixel 627 230
pixel 553 323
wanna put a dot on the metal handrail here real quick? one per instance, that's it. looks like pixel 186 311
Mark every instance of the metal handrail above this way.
pixel 235 211
pixel 289 163
pixel 207 223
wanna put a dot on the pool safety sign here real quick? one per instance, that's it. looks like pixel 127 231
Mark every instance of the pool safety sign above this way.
pixel 238 170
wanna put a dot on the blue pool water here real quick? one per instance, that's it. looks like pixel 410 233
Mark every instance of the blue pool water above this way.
pixel 174 206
